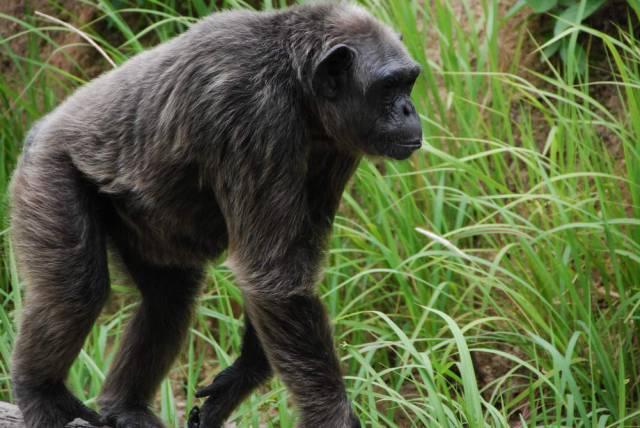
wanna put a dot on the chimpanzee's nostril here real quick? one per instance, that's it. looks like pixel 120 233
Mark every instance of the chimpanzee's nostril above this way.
pixel 407 110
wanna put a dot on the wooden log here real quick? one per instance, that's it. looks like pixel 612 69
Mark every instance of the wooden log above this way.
pixel 10 417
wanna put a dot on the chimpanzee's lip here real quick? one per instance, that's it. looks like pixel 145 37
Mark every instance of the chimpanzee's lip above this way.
pixel 413 144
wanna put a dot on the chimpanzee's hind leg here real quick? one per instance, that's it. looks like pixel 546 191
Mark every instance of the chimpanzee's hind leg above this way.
pixel 151 342
pixel 60 245
pixel 233 384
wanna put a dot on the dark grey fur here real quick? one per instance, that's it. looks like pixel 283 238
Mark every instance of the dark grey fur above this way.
pixel 241 134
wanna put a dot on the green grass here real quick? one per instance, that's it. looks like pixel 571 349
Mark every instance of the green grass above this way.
pixel 513 237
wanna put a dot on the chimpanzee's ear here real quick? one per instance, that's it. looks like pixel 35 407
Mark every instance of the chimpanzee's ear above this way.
pixel 331 74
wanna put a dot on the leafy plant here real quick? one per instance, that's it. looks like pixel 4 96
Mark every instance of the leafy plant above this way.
pixel 568 14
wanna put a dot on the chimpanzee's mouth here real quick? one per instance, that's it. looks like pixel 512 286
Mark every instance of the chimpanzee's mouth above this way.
pixel 413 144
pixel 403 150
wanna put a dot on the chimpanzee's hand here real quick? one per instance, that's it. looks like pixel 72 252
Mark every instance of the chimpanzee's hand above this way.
pixel 194 418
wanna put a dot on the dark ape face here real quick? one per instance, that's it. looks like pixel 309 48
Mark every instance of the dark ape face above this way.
pixel 365 103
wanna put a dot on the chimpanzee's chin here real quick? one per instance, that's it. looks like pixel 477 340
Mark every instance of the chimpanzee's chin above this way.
pixel 401 151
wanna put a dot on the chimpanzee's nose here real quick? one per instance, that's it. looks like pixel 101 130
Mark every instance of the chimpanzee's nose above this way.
pixel 408 109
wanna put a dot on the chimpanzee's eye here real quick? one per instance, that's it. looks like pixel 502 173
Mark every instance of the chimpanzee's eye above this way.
pixel 389 84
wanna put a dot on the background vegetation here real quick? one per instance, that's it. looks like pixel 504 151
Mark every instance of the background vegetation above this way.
pixel 493 280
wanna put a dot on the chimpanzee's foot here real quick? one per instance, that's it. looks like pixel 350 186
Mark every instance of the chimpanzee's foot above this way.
pixel 131 418
pixel 52 406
